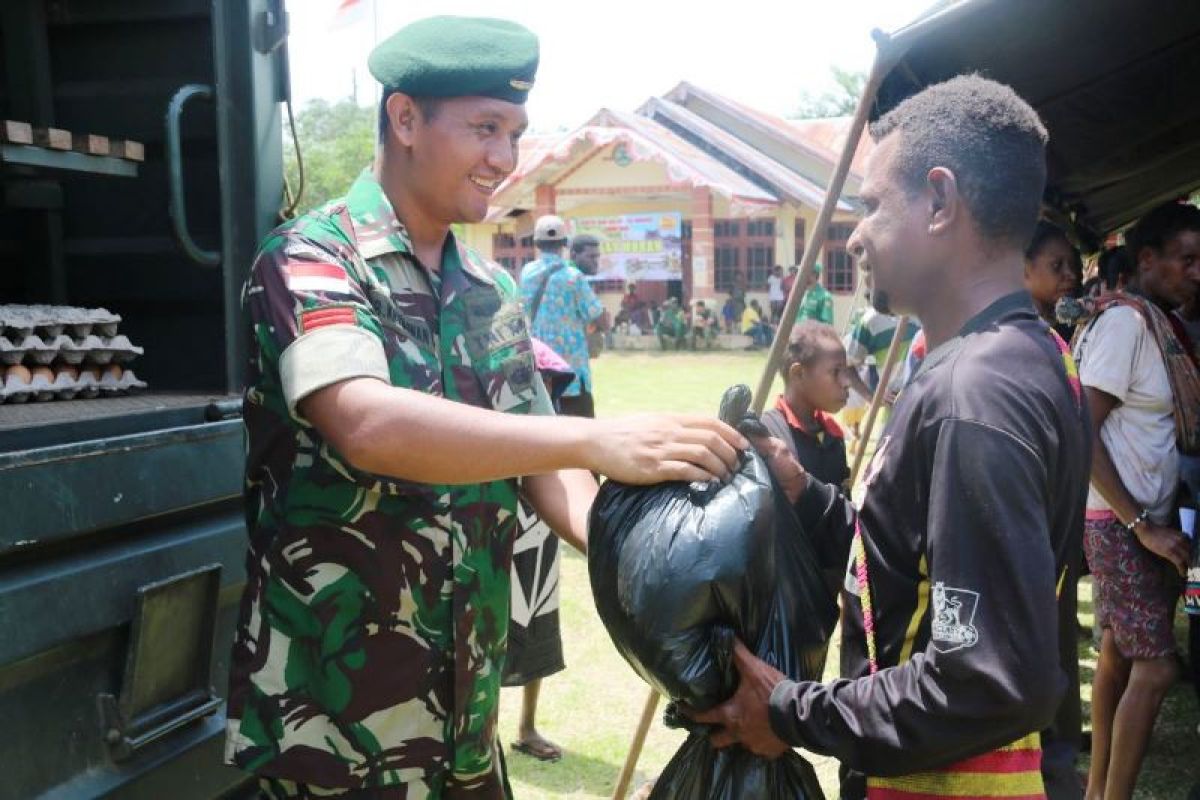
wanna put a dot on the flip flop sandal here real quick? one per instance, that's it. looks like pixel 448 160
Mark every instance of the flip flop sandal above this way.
pixel 553 754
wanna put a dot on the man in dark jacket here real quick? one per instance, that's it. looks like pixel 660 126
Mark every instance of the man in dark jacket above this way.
pixel 958 640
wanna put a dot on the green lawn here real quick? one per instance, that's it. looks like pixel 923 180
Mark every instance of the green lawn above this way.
pixel 592 708
pixel 687 382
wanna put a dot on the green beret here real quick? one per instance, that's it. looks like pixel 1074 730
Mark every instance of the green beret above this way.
pixel 458 57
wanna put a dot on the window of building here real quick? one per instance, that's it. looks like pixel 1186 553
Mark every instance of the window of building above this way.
pixel 759 260
pixel 511 254
pixel 725 264
pixel 760 227
pixel 759 247
pixel 799 243
pixel 749 247
pixel 839 275
pixel 726 255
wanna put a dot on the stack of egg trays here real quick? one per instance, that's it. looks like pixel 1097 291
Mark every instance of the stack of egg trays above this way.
pixel 82 343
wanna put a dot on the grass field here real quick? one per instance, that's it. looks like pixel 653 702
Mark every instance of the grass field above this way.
pixel 592 708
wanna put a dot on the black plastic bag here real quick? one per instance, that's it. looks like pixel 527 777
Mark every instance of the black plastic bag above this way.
pixel 677 570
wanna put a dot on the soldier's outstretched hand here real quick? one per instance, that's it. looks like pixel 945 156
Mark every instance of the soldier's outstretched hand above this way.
pixel 653 448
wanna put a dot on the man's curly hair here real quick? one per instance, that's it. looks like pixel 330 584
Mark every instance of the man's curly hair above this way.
pixel 991 139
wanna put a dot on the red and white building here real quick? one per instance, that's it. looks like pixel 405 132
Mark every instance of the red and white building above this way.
pixel 746 187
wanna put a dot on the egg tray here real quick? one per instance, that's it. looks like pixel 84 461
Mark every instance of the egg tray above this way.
pixel 90 349
pixel 19 321
pixel 66 387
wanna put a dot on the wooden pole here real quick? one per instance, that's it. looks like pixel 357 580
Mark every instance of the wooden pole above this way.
pixel 635 747
pixel 885 377
pixel 813 246
pixel 886 57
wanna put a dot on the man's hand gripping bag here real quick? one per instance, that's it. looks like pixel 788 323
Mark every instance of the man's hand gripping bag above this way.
pixel 677 571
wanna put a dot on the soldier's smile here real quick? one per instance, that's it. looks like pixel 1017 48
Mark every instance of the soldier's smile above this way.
pixel 485 186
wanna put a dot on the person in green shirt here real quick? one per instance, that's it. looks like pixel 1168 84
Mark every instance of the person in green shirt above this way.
pixel 817 303
pixel 672 327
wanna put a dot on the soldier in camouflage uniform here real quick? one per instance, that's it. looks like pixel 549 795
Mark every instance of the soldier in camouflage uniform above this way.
pixel 381 482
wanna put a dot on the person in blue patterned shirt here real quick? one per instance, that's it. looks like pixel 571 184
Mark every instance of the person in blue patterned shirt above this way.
pixel 561 305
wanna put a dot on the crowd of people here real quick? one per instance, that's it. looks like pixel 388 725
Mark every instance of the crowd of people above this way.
pixel 421 425
pixel 680 326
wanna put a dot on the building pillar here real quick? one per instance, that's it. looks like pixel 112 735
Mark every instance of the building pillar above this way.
pixel 544 200
pixel 703 245
pixel 785 236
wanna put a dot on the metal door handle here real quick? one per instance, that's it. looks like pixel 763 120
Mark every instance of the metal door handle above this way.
pixel 177 207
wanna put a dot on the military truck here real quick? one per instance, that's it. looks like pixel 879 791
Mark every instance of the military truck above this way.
pixel 122 533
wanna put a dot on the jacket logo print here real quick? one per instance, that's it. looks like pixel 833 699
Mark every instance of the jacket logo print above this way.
pixel 952 626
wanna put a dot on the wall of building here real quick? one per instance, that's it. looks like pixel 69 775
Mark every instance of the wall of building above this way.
pixel 479 237
pixel 604 170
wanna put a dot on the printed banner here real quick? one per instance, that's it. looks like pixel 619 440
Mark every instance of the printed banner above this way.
pixel 637 247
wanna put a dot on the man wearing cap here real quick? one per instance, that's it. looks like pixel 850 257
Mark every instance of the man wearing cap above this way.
pixel 817 302
pixel 561 305
pixel 388 419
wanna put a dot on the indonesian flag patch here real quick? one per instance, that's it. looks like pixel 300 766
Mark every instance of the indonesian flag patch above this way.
pixel 308 276
pixel 315 318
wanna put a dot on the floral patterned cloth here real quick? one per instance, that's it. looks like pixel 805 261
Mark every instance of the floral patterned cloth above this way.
pixel 1135 590
pixel 567 306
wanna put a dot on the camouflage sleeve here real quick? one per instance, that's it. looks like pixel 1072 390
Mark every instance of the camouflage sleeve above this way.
pixel 307 306
pixel 511 292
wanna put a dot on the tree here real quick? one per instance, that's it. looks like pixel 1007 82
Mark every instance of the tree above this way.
pixel 337 142
pixel 839 103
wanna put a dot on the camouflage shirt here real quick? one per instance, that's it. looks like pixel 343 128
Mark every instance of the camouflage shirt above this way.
pixel 373 626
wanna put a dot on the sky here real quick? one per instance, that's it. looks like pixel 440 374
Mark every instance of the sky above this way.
pixel 618 53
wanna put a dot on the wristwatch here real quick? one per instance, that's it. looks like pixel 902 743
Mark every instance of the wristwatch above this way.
pixel 1142 516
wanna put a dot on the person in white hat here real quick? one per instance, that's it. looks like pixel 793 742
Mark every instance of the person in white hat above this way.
pixel 561 305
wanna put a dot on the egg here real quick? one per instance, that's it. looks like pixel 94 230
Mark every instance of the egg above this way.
pixel 114 371
pixel 19 372
pixel 43 372
pixel 93 371
pixel 69 370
